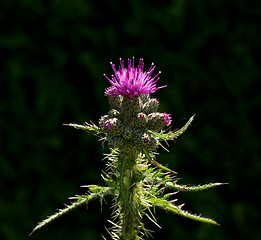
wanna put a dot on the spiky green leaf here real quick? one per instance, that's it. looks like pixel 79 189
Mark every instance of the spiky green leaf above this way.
pixel 192 188
pixel 101 191
pixel 166 205
pixel 166 136
pixel 92 128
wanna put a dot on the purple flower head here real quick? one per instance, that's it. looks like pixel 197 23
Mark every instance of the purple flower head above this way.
pixel 131 81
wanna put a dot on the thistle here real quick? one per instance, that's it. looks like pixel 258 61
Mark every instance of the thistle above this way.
pixel 133 130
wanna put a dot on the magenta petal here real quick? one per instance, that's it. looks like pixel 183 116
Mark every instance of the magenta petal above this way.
pixel 131 81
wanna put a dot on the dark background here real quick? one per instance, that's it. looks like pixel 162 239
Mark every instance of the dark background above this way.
pixel 53 56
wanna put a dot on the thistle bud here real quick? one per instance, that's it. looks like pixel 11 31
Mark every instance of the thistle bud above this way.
pixel 157 121
pixel 151 106
pixel 167 119
pixel 113 113
pixel 141 119
pixel 144 141
pixel 114 100
pixel 113 126
pixel 102 120
pixel 144 98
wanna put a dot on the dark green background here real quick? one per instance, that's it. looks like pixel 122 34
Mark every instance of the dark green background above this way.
pixel 53 56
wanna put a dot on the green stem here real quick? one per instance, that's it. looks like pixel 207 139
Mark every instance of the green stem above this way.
pixel 127 195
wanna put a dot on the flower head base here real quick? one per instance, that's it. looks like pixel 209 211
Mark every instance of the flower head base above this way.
pixel 132 82
pixel 112 126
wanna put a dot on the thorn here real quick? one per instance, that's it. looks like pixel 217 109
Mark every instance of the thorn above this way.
pixel 85 186
pixel 174 193
pixel 180 206
pixel 67 124
pixel 223 183
pixel 31 232
pixel 72 198
pixel 101 204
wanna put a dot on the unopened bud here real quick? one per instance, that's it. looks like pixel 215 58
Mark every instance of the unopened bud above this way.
pixel 144 141
pixel 114 100
pixel 151 106
pixel 102 120
pixel 113 126
pixel 144 98
pixel 141 119
pixel 113 113
pixel 157 121
pixel 167 119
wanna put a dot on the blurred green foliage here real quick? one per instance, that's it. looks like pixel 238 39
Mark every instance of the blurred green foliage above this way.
pixel 53 56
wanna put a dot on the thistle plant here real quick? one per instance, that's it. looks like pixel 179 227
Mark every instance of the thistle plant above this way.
pixel 134 129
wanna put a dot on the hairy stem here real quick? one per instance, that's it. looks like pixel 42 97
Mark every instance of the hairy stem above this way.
pixel 128 187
